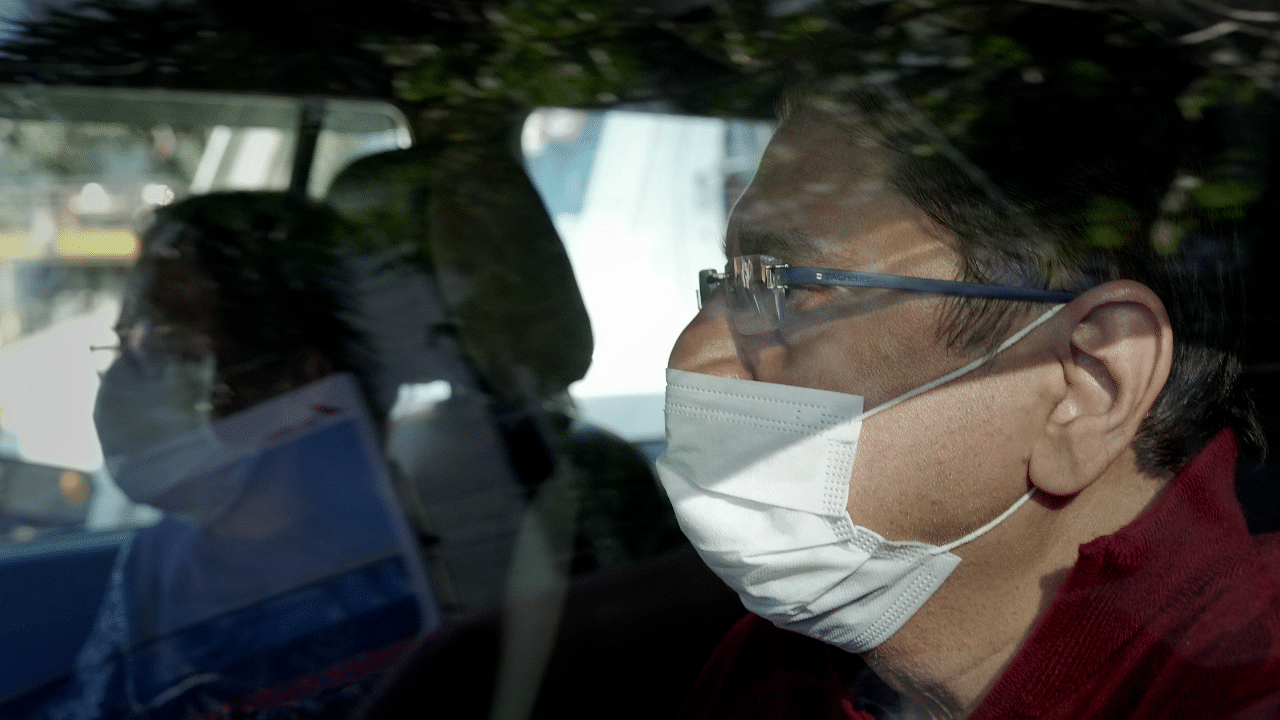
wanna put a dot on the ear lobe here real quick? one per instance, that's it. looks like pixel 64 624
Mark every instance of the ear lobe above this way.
pixel 1115 359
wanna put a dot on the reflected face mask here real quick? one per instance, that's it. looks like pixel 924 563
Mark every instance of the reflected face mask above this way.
pixel 758 474
pixel 156 434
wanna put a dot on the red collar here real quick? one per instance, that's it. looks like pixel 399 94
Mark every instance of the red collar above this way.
pixel 1150 592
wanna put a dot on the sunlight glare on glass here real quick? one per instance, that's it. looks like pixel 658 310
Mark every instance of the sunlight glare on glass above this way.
pixel 157 194
pixel 91 200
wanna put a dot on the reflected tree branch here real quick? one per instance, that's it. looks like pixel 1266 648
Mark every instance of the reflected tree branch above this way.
pixel 1213 32
pixel 1076 5
pixel 1246 16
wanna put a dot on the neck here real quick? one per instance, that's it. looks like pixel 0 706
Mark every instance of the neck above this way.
pixel 950 654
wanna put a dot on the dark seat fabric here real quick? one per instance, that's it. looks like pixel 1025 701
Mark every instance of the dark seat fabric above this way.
pixel 631 643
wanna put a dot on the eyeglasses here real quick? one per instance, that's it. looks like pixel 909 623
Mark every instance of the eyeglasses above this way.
pixel 150 346
pixel 758 287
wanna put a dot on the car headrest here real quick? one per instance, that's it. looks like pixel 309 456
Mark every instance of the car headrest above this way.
pixel 476 222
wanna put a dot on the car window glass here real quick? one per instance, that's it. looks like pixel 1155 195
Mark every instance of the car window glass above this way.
pixel 81 174
pixel 140 419
pixel 640 200
pixel 313 405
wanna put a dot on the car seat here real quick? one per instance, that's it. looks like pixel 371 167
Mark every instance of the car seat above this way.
pixel 504 454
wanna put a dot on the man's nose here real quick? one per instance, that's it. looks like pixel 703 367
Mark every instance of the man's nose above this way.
pixel 707 345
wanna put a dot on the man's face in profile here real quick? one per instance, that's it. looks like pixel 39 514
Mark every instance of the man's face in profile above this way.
pixel 930 469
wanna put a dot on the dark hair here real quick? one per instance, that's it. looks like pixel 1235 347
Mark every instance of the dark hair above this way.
pixel 277 262
pixel 1050 184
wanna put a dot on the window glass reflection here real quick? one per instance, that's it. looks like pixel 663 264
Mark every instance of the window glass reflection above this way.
pixel 640 200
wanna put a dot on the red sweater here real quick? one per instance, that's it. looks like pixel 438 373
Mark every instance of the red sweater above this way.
pixel 1176 615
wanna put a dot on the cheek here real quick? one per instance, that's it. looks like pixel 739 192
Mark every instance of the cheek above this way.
pixel 940 465
pixel 878 356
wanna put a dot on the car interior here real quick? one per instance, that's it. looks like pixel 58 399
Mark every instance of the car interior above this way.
pixel 516 292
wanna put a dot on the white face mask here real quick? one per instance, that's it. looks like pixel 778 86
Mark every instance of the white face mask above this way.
pixel 137 409
pixel 758 474
pixel 156 435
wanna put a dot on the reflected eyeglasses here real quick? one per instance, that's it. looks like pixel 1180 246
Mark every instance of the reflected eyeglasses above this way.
pixel 151 346
pixel 756 287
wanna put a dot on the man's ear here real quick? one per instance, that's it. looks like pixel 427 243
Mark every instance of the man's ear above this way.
pixel 1114 349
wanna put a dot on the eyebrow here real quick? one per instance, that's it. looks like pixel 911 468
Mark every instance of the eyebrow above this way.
pixel 791 245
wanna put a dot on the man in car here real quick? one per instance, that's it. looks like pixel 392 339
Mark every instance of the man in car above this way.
pixel 1007 496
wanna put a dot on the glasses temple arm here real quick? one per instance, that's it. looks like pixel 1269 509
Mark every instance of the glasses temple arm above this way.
pixel 846 278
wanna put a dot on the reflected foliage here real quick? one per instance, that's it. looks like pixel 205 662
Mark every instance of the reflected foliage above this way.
pixel 468 66
pixel 291 47
pixel 978 71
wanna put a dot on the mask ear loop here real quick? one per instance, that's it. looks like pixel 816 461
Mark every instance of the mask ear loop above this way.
pixel 983 530
pixel 952 376
pixel 967 368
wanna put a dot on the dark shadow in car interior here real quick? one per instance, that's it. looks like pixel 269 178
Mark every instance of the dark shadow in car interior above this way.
pixel 62 573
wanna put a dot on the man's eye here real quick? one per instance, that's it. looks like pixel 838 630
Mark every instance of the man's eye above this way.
pixel 814 305
pixel 809 298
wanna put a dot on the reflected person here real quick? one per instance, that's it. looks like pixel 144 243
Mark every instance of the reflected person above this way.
pixel 236 407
